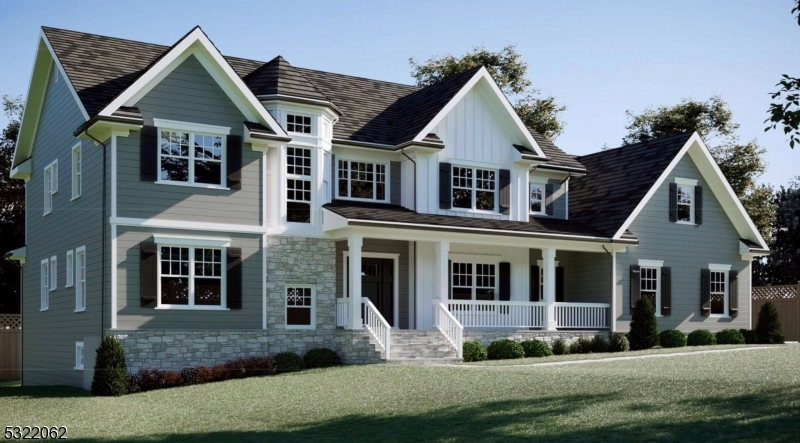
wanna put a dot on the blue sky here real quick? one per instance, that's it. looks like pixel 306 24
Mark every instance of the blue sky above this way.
pixel 598 58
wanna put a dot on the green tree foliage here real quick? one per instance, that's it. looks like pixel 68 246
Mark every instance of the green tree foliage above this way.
pixel 644 327
pixel 782 266
pixel 741 163
pixel 110 372
pixel 786 112
pixel 509 71
pixel 12 207
pixel 768 328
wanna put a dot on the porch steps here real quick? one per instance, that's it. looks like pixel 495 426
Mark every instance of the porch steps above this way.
pixel 424 361
pixel 421 347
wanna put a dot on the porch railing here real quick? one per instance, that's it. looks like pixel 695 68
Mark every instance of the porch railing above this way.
pixel 499 314
pixel 450 327
pixel 582 315
pixel 377 325
pixel 343 312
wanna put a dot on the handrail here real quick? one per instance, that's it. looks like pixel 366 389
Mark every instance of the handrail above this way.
pixel 452 329
pixel 377 326
pixel 499 314
pixel 581 315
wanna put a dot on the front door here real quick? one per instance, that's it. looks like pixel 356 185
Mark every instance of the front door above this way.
pixel 377 284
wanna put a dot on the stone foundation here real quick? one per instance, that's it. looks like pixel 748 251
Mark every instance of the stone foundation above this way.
pixel 486 337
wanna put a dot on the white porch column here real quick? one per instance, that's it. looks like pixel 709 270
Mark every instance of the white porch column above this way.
pixel 549 274
pixel 354 245
pixel 442 251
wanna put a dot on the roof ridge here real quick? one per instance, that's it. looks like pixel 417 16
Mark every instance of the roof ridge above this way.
pixel 358 77
pixel 639 144
pixel 108 36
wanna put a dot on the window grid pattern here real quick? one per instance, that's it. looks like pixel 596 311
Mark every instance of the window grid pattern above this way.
pixel 298 185
pixel 461 281
pixel 181 163
pixel 648 284
pixel 174 275
pixel 298 123
pixel 462 187
pixel 80 280
pixel 299 306
pixel 473 281
pixel 484 281
pixel 685 197
pixel 718 291
pixel 360 180
pixel 191 276
pixel 77 186
pixel 207 276
pixel 537 198
pixel 474 188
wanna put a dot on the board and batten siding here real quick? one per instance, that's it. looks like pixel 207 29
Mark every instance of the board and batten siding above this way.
pixel 686 249
pixel 49 336
pixel 399 247
pixel 130 314
pixel 189 94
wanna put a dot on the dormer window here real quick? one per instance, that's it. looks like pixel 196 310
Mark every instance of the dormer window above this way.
pixel 298 123
pixel 474 188
pixel 361 180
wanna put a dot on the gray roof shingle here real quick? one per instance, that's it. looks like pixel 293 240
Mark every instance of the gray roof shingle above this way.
pixel 278 77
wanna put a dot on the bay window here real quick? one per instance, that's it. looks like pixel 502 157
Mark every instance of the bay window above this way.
pixel 298 185
pixel 362 180
pixel 474 188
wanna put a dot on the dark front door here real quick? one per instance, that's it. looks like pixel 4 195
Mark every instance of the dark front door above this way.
pixel 377 284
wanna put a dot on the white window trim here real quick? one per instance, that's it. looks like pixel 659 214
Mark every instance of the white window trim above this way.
pixel 80 297
pixel 80 356
pixel 70 268
pixel 191 306
pixel 538 182
pixel 475 260
pixel 387 179
pixel 44 282
pixel 713 267
pixel 77 174
pixel 686 182
pixel 474 208
pixel 310 178
pixel 176 240
pixel 657 265
pixel 50 188
pixel 540 264
pixel 313 324
pixel 311 125
pixel 53 280
pixel 193 129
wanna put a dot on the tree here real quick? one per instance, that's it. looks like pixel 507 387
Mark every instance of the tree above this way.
pixel 12 207
pixel 644 327
pixel 787 113
pixel 740 163
pixel 782 266
pixel 768 328
pixel 110 371
pixel 507 69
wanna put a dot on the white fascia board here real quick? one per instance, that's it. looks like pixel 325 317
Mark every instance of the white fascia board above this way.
pixel 22 171
pixel 19 255
pixel 483 74
pixel 198 44
pixel 183 240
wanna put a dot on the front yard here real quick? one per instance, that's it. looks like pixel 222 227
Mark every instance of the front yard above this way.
pixel 746 396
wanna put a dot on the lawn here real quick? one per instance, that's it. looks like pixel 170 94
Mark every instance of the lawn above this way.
pixel 745 396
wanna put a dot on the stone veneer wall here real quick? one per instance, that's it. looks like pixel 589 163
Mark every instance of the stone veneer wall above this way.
pixel 486 337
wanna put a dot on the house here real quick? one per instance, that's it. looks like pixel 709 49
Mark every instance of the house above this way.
pixel 203 208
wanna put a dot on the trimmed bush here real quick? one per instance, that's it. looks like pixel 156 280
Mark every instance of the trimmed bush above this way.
pixel 172 379
pixel 618 343
pixel 582 345
pixel 560 347
pixel 235 368
pixel 730 337
pixel 189 376
pixel 768 328
pixel 134 384
pixel 599 344
pixel 321 358
pixel 536 348
pixel 505 349
pixel 701 337
pixel 257 366
pixel 644 327
pixel 672 338
pixel 151 379
pixel 474 351
pixel 289 361
pixel 110 372
pixel 750 337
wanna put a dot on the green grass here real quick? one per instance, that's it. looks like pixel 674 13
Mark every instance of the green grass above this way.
pixel 746 396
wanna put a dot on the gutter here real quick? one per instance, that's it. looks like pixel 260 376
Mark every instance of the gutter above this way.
pixel 103 247
pixel 101 118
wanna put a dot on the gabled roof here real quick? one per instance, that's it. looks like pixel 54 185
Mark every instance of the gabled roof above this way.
pixel 618 179
pixel 279 78
pixel 557 159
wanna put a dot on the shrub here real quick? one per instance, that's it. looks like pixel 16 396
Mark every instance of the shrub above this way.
pixel 672 338
pixel 321 358
pixel 220 372
pixel 235 369
pixel 701 337
pixel 204 374
pixel 474 351
pixel 599 344
pixel 151 379
pixel 560 347
pixel 730 337
pixel 768 328
pixel 110 372
pixel 172 379
pixel 644 328
pixel 582 345
pixel 189 376
pixel 504 349
pixel 134 384
pixel 750 336
pixel 256 366
pixel 618 343
pixel 289 361
pixel 536 348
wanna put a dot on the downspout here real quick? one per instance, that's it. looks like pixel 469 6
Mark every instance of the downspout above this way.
pixel 403 151
pixel 103 247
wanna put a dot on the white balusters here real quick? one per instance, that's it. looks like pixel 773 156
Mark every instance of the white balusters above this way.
pixel 450 327
pixel 342 312
pixel 582 315
pixel 377 326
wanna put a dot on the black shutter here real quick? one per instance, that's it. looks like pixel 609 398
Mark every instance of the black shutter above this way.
pixel 505 281
pixel 234 152
pixel 334 177
pixel 394 172
pixel 445 186
pixel 148 274
pixel 234 284
pixel 535 283
pixel 504 185
pixel 560 284
pixel 148 153
pixel 666 291
pixel 733 293
pixel 549 189
pixel 705 291
pixel 636 292
pixel 673 202
pixel 698 205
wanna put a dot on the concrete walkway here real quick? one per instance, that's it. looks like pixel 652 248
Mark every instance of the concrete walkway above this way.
pixel 603 360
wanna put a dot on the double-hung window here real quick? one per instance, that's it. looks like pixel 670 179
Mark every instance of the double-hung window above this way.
pixel 474 188
pixel 298 185
pixel 79 355
pixel 650 282
pixel 44 283
pixel 80 279
pixel 686 200
pixel 50 185
pixel 300 306
pixel 77 185
pixel 719 289
pixel 298 123
pixel 362 180
pixel 537 198
pixel 193 158
pixel 473 281
pixel 192 276
pixel 53 273
pixel 70 268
